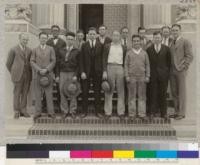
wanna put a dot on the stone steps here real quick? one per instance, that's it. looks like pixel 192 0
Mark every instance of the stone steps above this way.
pixel 95 128
pixel 96 121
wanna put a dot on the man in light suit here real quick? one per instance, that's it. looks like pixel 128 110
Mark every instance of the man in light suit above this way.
pixel 182 56
pixel 43 61
pixel 18 64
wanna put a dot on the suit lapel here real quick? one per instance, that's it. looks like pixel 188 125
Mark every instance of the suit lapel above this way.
pixel 178 43
pixel 22 53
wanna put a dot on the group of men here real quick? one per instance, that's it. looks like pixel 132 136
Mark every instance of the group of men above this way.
pixel 137 68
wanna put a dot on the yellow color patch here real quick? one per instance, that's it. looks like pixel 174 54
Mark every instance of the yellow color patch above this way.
pixel 123 154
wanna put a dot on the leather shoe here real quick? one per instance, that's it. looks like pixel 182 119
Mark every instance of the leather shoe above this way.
pixel 16 115
pixel 99 115
pixel 179 117
pixel 25 114
pixel 37 116
pixel 53 116
pixel 64 115
pixel 73 115
pixel 83 115
pixel 107 117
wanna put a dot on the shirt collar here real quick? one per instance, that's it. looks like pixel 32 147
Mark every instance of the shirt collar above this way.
pixel 69 48
pixel 179 37
pixel 22 48
pixel 43 46
pixel 137 51
pixel 112 43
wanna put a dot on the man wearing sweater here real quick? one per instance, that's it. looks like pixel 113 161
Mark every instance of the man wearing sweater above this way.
pixel 68 72
pixel 137 73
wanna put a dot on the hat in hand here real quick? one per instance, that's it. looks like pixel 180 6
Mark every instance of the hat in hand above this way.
pixel 106 86
pixel 72 89
pixel 44 80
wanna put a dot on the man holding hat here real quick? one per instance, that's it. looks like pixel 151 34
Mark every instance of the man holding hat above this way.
pixel 43 61
pixel 68 72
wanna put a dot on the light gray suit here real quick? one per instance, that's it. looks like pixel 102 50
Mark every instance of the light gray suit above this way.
pixel 18 64
pixel 43 59
pixel 182 56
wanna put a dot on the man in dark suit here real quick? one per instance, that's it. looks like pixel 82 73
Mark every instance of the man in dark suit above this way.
pixel 160 63
pixel 103 39
pixel 145 41
pixel 18 64
pixel 57 43
pixel 91 68
pixel 166 39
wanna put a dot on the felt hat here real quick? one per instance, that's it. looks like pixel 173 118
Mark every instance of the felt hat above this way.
pixel 44 80
pixel 106 86
pixel 72 89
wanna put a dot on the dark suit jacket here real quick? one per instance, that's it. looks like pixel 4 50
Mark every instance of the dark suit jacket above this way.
pixel 85 58
pixel 59 45
pixel 106 53
pixel 106 41
pixel 160 63
pixel 72 63
pixel 16 61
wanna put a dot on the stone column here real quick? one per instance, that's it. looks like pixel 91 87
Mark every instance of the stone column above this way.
pixel 133 19
pixel 72 16
pixel 57 14
pixel 157 15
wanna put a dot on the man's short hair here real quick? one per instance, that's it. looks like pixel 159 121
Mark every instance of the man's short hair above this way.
pixel 176 25
pixel 55 26
pixel 103 26
pixel 80 31
pixel 92 29
pixel 141 28
pixel 21 34
pixel 136 36
pixel 124 27
pixel 70 34
pixel 165 27
pixel 156 33
pixel 43 33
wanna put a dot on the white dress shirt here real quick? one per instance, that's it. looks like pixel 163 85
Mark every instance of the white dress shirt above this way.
pixel 94 43
pixel 43 46
pixel 165 41
pixel 55 41
pixel 115 55
pixel 157 47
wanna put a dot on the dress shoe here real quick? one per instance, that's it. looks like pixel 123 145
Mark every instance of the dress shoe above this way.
pixel 73 115
pixel 99 115
pixel 179 117
pixel 64 116
pixel 83 115
pixel 107 117
pixel 173 116
pixel 16 115
pixel 53 116
pixel 25 114
pixel 121 117
pixel 37 116
pixel 132 118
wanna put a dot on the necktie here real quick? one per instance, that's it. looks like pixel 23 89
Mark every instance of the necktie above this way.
pixel 125 42
pixel 174 42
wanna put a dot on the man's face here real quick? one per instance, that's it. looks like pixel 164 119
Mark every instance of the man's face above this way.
pixel 70 40
pixel 136 42
pixel 102 31
pixel 125 33
pixel 116 36
pixel 55 32
pixel 166 32
pixel 43 39
pixel 142 32
pixel 176 32
pixel 80 36
pixel 157 38
pixel 92 34
pixel 24 39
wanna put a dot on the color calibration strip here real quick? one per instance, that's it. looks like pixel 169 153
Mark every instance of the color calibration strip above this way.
pixel 58 152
